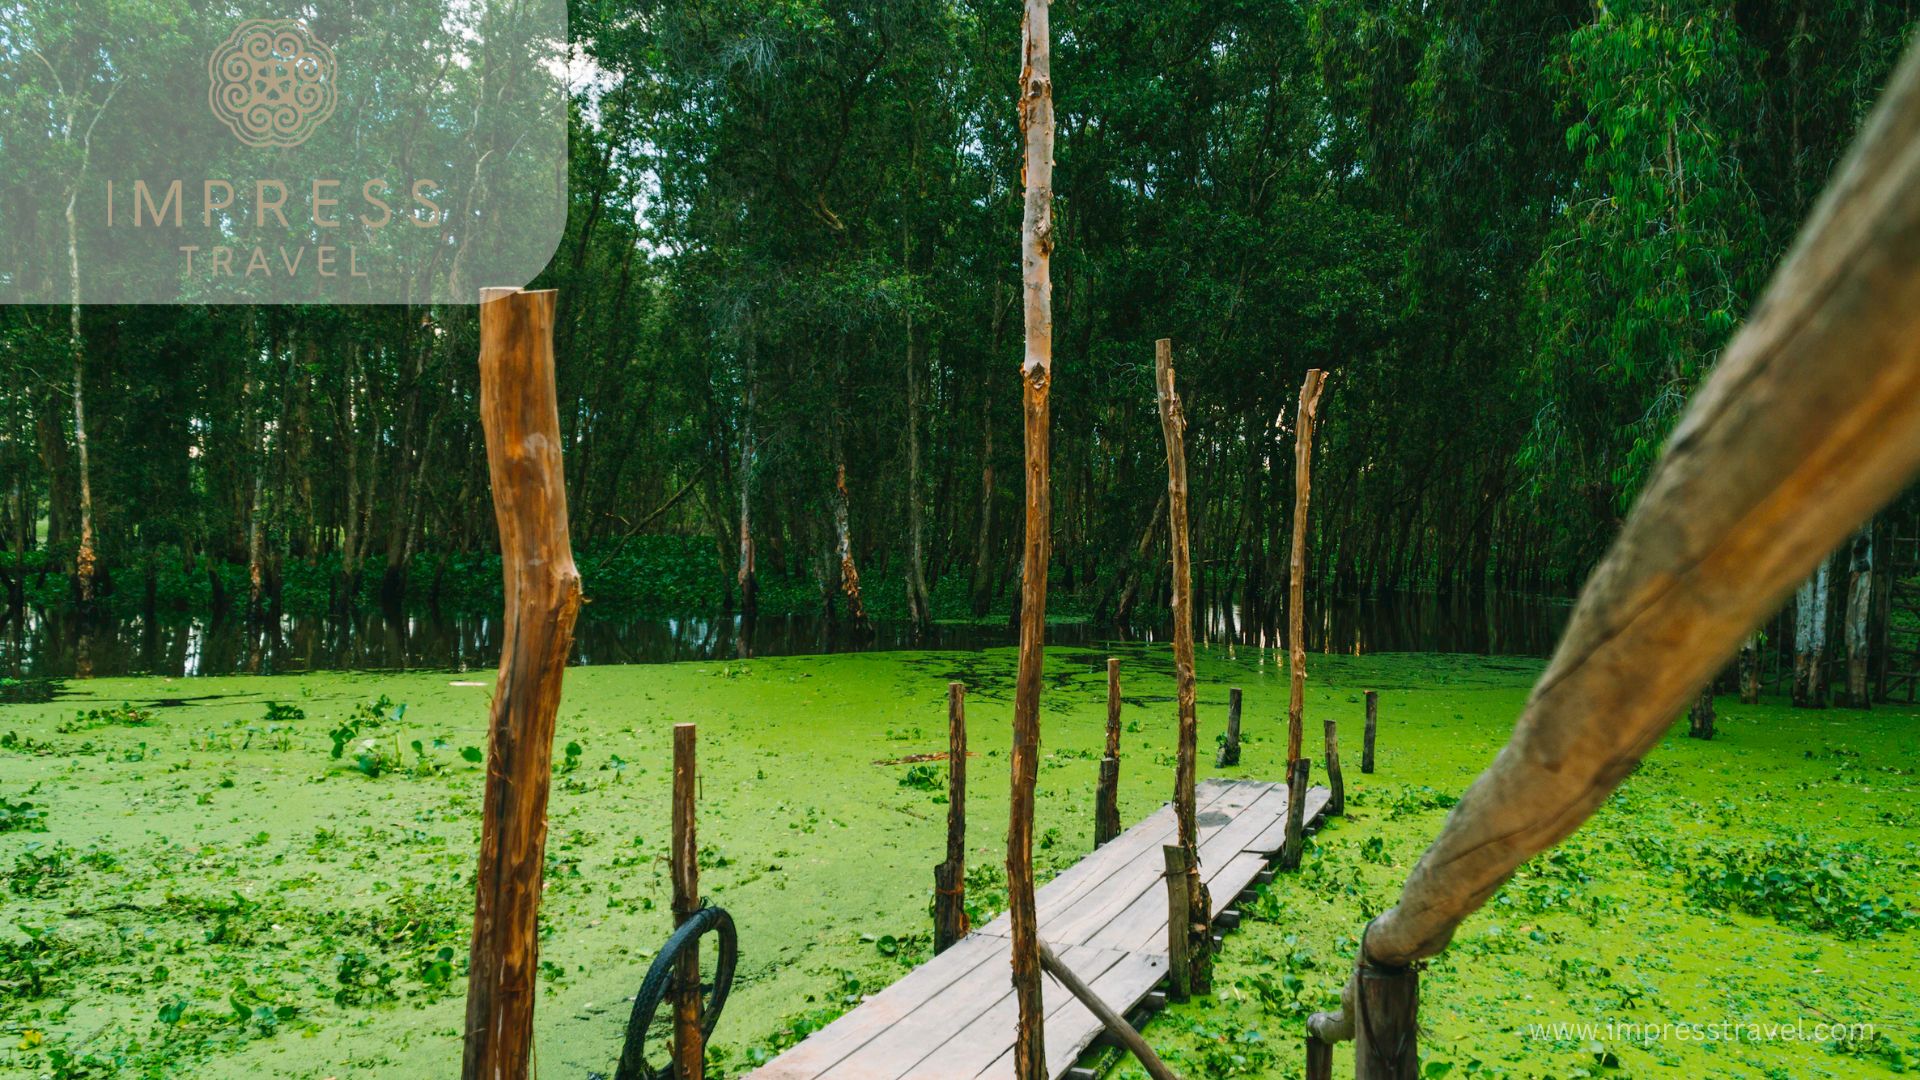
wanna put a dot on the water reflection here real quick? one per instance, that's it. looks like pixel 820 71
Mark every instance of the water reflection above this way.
pixel 39 643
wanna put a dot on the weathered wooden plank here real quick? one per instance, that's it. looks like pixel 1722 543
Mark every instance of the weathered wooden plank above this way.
pixel 983 1034
pixel 1080 924
pixel 1106 915
pixel 1072 1027
pixel 834 1043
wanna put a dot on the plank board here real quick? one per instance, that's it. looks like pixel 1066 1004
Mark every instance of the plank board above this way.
pixel 953 1017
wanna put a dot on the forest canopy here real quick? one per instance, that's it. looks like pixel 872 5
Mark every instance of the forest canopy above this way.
pixel 1515 234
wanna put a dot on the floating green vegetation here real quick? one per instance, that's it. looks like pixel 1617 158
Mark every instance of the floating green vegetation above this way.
pixel 275 878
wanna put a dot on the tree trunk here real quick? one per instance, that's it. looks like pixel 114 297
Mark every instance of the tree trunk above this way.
pixel 1858 621
pixel 749 584
pixel 1810 639
pixel 843 548
pixel 919 606
pixel 1036 374
pixel 983 542
pixel 85 557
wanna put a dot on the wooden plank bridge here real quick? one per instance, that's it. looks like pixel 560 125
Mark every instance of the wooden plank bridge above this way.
pixel 1106 916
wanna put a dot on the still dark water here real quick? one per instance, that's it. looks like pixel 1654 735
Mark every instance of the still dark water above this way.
pixel 34 643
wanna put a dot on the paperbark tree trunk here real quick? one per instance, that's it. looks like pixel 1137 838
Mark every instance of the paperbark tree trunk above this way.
pixel 919 606
pixel 1036 375
pixel 843 550
pixel 1810 639
pixel 748 582
pixel 1858 617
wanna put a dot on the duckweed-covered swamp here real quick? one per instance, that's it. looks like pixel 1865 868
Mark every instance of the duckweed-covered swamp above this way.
pixel 272 876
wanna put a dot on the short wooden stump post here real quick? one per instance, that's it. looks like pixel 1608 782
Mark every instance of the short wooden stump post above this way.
pixel 1230 748
pixel 1386 1019
pixel 1373 719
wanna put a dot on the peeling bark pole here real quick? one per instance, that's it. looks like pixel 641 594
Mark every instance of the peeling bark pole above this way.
pixel 950 877
pixel 1373 722
pixel 1173 425
pixel 1106 805
pixel 1036 375
pixel 1809 423
pixel 1230 749
pixel 521 419
pixel 689 1042
pixel 1297 616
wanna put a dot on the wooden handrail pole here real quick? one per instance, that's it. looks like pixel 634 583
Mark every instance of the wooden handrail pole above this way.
pixel 519 414
pixel 689 1042
pixel 1116 1025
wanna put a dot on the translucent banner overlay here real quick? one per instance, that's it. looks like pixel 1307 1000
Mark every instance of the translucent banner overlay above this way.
pixel 326 152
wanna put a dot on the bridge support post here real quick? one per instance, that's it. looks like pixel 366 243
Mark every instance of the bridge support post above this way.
pixel 1230 749
pixel 1387 1004
pixel 1106 806
pixel 950 877
pixel 689 1041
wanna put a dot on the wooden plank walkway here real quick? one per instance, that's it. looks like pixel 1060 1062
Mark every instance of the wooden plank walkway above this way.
pixel 952 1018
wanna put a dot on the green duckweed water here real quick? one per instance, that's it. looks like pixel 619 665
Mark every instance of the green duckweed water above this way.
pixel 199 888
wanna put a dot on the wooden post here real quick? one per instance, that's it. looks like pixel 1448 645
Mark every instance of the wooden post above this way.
pixel 520 416
pixel 950 877
pixel 1319 1059
pixel 1036 380
pixel 689 1044
pixel 1385 1043
pixel 1116 1025
pixel 1298 777
pixel 1297 613
pixel 1179 923
pixel 1106 806
pixel 1373 719
pixel 1230 750
pixel 1336 784
pixel 1173 425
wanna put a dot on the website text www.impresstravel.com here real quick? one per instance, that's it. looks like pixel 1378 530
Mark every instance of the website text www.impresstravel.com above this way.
pixel 1647 1032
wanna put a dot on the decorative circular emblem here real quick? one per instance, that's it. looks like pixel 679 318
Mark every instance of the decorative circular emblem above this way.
pixel 272 82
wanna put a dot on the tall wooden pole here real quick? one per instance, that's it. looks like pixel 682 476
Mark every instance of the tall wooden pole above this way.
pixel 1297 615
pixel 1173 425
pixel 1106 805
pixel 1036 374
pixel 520 415
pixel 950 877
pixel 689 1042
